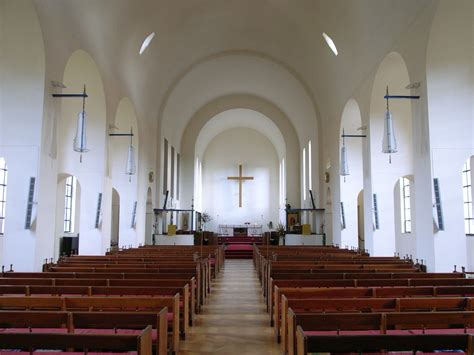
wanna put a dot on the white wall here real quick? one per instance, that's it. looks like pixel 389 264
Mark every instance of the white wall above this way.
pixel 392 72
pixel 22 70
pixel 450 80
pixel 221 196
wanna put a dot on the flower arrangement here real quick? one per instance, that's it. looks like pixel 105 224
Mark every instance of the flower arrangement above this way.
pixel 205 218
pixel 280 229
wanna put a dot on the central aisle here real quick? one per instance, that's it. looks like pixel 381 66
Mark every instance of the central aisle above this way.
pixel 234 320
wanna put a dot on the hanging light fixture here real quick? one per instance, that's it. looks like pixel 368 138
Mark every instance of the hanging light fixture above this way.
pixel 389 142
pixel 130 168
pixel 80 141
pixel 344 170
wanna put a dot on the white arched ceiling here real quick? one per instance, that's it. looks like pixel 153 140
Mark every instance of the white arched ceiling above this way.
pixel 240 118
pixel 238 74
pixel 189 30
pixel 253 103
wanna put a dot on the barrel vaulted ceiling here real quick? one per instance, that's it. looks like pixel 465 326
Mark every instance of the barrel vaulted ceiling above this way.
pixel 287 33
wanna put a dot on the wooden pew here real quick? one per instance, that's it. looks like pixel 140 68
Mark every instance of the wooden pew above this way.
pixel 102 304
pixel 139 343
pixel 307 343
pixel 338 305
pixel 377 323
pixel 75 280
pixel 88 323
pixel 358 292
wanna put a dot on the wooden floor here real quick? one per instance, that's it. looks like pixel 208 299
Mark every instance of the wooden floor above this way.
pixel 234 320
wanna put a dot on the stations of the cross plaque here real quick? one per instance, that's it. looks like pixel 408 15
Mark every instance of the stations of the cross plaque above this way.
pixel 240 179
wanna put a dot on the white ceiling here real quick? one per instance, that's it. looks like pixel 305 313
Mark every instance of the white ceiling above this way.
pixel 188 31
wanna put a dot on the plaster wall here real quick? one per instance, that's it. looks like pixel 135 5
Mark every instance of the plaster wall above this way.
pixel 450 70
pixel 22 70
pixel 260 195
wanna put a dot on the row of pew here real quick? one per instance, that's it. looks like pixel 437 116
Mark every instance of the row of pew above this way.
pixel 326 299
pixel 150 293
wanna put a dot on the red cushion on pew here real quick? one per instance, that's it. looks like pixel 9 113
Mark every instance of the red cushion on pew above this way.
pixel 442 331
pixel 170 316
pixel 33 330
pixel 12 352
pixel 342 332
pixel 154 333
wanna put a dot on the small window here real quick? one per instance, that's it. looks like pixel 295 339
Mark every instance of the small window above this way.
pixel 405 205
pixel 310 167
pixel 70 204
pixel 304 174
pixel 3 193
pixel 467 198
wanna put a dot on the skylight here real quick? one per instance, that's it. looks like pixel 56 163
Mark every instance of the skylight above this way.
pixel 146 42
pixel 330 43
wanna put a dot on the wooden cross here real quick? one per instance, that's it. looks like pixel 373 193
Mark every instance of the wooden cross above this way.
pixel 240 179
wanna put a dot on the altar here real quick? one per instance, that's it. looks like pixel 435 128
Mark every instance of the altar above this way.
pixel 240 230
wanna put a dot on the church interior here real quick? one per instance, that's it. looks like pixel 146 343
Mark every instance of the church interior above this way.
pixel 236 177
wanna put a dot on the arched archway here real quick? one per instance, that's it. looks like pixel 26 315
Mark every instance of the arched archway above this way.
pixel 351 185
pixel 125 185
pixel 393 73
pixel 81 70
pixel 260 106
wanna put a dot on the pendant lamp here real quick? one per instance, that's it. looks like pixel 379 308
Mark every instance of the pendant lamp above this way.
pixel 389 142
pixel 131 167
pixel 344 170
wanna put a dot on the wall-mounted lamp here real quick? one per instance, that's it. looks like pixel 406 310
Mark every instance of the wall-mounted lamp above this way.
pixel 131 167
pixel 344 170
pixel 389 142
pixel 80 141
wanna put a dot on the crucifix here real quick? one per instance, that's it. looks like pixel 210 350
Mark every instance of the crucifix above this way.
pixel 240 179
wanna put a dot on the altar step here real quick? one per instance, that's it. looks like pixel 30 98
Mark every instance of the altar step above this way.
pixel 239 251
pixel 239 240
pixel 238 255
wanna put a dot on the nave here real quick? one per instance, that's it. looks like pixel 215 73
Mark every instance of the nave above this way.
pixel 234 320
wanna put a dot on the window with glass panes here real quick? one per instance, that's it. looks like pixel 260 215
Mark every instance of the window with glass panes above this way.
pixel 69 202
pixel 467 197
pixel 3 193
pixel 405 205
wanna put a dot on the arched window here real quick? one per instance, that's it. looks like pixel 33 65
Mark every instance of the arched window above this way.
pixel 304 174
pixel 310 167
pixel 467 197
pixel 70 204
pixel 3 193
pixel 405 205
